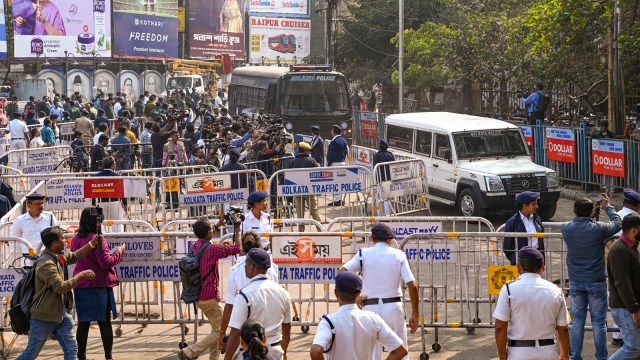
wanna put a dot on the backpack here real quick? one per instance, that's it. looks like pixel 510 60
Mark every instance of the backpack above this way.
pixel 22 300
pixel 189 267
pixel 543 102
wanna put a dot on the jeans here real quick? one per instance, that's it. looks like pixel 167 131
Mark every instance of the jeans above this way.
pixel 593 295
pixel 157 163
pixel 630 335
pixel 42 330
pixel 147 161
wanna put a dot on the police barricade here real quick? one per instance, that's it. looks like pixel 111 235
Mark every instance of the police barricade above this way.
pixel 401 187
pixel 40 160
pixel 268 167
pixel 460 275
pixel 161 172
pixel 68 196
pixel 360 155
pixel 329 192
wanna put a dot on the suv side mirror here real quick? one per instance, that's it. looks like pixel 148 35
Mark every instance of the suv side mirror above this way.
pixel 447 156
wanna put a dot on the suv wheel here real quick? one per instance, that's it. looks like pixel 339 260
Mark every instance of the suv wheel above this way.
pixel 468 204
pixel 546 212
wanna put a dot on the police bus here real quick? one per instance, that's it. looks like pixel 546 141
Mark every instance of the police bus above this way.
pixel 301 95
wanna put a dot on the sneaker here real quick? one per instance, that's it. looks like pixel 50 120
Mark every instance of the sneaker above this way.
pixel 183 356
pixel 617 342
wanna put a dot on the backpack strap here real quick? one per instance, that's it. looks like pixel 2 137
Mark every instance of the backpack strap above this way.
pixel 199 254
pixel 248 304
pixel 333 332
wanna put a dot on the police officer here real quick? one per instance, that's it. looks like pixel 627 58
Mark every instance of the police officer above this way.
pixel 317 145
pixel 525 220
pixel 258 220
pixel 382 268
pixel 336 156
pixel 351 333
pixel 383 174
pixel 19 138
pixel 238 181
pixel 29 225
pixel 262 300
pixel 528 313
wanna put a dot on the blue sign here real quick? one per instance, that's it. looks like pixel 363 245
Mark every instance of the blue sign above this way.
pixel 139 34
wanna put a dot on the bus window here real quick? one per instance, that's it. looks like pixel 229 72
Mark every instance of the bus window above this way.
pixel 399 137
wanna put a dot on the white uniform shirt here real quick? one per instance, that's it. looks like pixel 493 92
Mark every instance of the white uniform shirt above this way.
pixel 270 305
pixel 17 129
pixel 530 226
pixel 29 228
pixel 537 306
pixel 262 225
pixel 383 269
pixel 117 108
pixel 356 334
pixel 238 280
pixel 622 213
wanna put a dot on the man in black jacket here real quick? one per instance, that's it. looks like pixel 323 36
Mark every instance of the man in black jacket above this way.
pixel 383 173
pixel 113 210
pixel 303 161
pixel 525 220
pixel 317 145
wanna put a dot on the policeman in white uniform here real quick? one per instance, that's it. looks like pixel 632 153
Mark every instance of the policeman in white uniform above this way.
pixel 630 205
pixel 29 225
pixel 258 220
pixel 19 138
pixel 351 333
pixel 528 313
pixel 383 268
pixel 262 300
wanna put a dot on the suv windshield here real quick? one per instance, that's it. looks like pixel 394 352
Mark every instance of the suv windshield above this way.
pixel 489 143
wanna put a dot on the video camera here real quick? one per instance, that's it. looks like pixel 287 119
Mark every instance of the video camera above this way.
pixel 97 212
pixel 235 215
pixel 523 94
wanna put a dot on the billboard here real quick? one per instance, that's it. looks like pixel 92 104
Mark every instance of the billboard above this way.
pixel 216 27
pixel 561 144
pixel 286 8
pixel 145 28
pixel 279 37
pixel 3 34
pixel 79 27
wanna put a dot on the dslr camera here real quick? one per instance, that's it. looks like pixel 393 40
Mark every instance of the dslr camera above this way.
pixel 235 215
pixel 523 94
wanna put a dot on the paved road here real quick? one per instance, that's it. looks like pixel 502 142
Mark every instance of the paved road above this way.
pixel 161 341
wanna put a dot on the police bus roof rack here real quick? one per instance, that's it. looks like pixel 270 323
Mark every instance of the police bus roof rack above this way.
pixel 310 68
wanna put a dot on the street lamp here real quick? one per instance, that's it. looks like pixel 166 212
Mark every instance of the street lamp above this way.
pixel 46 63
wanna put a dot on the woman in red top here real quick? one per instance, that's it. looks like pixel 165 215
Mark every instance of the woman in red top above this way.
pixel 94 299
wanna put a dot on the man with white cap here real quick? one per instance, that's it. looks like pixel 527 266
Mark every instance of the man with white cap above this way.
pixel 29 225
pixel 351 333
pixel 526 220
pixel 383 268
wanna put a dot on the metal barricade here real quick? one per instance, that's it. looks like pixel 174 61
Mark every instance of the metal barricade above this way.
pixel 401 188
pixel 330 192
pixel 159 172
pixel 40 160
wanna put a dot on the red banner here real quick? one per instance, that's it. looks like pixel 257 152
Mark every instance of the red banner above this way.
pixel 561 145
pixel 368 124
pixel 607 157
pixel 103 188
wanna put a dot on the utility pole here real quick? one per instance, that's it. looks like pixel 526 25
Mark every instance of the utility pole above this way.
pixel 616 106
pixel 400 53
pixel 331 5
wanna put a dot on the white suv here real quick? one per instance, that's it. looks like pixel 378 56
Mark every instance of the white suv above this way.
pixel 474 163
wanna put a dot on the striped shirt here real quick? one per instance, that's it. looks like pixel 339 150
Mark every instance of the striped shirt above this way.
pixel 210 286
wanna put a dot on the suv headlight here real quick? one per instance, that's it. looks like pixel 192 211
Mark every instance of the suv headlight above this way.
pixel 552 180
pixel 494 183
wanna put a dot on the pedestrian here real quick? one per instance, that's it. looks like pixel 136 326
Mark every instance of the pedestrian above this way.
pixel 603 131
pixel 99 152
pixel 121 147
pixel 29 225
pixel 48 134
pixel 586 240
pixel 36 140
pixel 351 333
pixel 95 300
pixel 238 280
pixel 100 119
pixel 336 156
pixel 51 316
pixel 19 139
pixel 303 161
pixel 174 153
pixel 31 118
pixel 383 268
pixel 258 220
pixel 79 152
pixel 238 181
pixel 253 342
pixel 521 332
pixel 146 150
pixel 265 301
pixel 623 271
pixel 209 298
pixel 526 220
pixel 113 208
pixel 317 145
pixel 384 172
pixel 533 103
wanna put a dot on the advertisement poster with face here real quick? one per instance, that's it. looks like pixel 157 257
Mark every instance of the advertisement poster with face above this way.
pixel 53 81
pixel 105 81
pixel 216 27
pixel 79 81
pixel 59 28
pixel 130 84
pixel 153 82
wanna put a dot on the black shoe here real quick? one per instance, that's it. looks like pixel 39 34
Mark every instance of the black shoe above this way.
pixel 617 342
pixel 337 203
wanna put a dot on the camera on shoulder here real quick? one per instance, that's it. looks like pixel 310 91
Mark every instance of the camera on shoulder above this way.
pixel 235 215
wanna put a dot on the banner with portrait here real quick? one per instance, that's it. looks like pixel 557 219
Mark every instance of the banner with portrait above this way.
pixel 59 28
pixel 216 27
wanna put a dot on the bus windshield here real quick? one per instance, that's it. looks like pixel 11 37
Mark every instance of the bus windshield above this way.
pixel 175 83
pixel 315 94
pixel 489 143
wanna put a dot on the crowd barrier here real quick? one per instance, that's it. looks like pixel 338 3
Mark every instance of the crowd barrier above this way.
pixel 401 188
pixel 40 160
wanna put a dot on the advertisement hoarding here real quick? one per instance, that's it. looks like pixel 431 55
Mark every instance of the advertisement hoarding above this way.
pixel 561 145
pixel 79 28
pixel 527 131
pixel 607 157
pixel 146 29
pixel 289 39
pixel 3 34
pixel 285 8
pixel 215 28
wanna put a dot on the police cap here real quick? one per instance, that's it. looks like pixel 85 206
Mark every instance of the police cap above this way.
pixel 631 195
pixel 53 116
pixel 304 146
pixel 384 144
pixel 32 112
pixel 527 197
pixel 259 257
pixel 257 196
pixel 348 282
pixel 315 127
pixel 18 113
pixel 34 196
pixel 381 231
pixel 531 254
pixel 234 152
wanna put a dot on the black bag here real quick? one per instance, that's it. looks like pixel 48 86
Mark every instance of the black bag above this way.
pixel 22 299
pixel 189 267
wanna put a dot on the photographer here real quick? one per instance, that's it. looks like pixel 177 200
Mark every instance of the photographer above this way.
pixel 532 102
pixel 173 153
pixel 258 220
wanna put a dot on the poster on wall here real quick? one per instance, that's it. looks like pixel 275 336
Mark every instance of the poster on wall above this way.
pixel 153 82
pixel 79 81
pixel 105 80
pixel 54 82
pixel 288 39
pixel 3 34
pixel 146 28
pixel 216 27
pixel 130 84
pixel 53 27
pixel 285 8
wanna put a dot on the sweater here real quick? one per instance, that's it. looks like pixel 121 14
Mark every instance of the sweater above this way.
pixel 100 260
pixel 623 271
